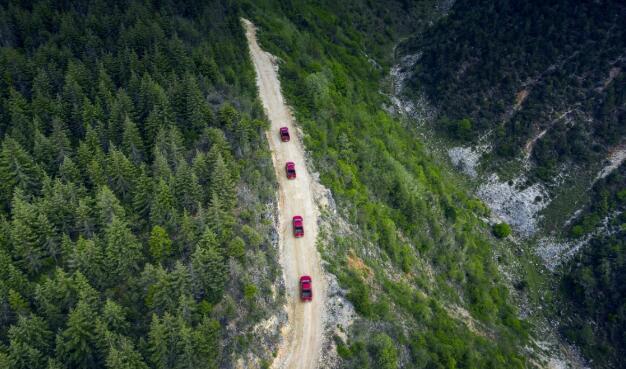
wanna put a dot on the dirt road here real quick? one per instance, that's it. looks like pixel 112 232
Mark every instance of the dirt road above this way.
pixel 303 334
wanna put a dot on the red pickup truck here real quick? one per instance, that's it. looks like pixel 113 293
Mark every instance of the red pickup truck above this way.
pixel 298 227
pixel 284 134
pixel 290 167
pixel 306 288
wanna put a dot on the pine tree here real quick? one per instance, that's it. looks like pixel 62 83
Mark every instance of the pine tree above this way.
pixel 97 175
pixel 43 152
pixel 169 143
pixel 159 243
pixel 162 211
pixel 85 221
pixel 121 109
pixel 243 132
pixel 88 257
pixel 186 356
pixel 207 338
pixel 60 141
pixel 228 117
pixel 43 104
pixel 92 114
pixel 72 98
pixel 24 356
pixel 21 123
pixel 76 346
pixel 132 142
pixel 89 149
pixel 33 331
pixel 12 277
pixel 142 196
pixel 222 184
pixel 186 188
pixel 160 113
pixel 121 174
pixel 192 111
pixel 201 169
pixel 123 252
pixel 124 356
pixel 114 317
pixel 107 207
pixel 84 291
pixel 162 343
pixel 189 232
pixel 180 279
pixel 31 255
pixel 219 220
pixel 161 169
pixel 209 269
pixel 47 237
pixel 68 171
pixel 17 170
pixel 187 308
pixel 60 200
pixel 55 296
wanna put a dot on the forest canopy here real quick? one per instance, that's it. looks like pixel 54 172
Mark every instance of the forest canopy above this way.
pixel 128 130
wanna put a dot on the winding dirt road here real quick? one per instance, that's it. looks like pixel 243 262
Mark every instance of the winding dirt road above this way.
pixel 303 334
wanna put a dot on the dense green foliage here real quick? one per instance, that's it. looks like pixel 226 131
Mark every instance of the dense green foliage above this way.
pixel 594 281
pixel 131 142
pixel 517 68
pixel 429 249
pixel 501 230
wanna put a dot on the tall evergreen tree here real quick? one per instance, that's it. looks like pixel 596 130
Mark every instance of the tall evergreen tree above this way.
pixel 88 257
pixel 123 252
pixel 142 197
pixel 159 243
pixel 31 254
pixel 124 356
pixel 187 190
pixel 114 317
pixel 17 170
pixel 60 140
pixel 108 207
pixel 20 120
pixel 132 142
pixel 30 341
pixel 162 211
pixel 85 218
pixel 222 184
pixel 121 174
pixel 76 346
pixel 162 343
pixel 208 268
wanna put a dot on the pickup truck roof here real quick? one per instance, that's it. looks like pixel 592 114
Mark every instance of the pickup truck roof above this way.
pixel 306 288
pixel 298 227
pixel 290 167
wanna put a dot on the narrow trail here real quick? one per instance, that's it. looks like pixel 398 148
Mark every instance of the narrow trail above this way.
pixel 302 336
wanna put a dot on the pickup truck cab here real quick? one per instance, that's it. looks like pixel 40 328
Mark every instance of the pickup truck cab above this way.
pixel 298 226
pixel 290 167
pixel 306 288
pixel 284 134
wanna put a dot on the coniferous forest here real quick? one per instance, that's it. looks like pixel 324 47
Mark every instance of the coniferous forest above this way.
pixel 130 142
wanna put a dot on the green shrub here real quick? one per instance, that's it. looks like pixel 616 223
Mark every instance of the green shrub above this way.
pixel 501 230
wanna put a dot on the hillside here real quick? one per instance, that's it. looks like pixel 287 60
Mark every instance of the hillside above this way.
pixel 530 102
pixel 543 79
pixel 406 242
